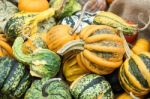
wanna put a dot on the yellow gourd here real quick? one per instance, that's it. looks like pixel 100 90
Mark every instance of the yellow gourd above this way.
pixel 142 45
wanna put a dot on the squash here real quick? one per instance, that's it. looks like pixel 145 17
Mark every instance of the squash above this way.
pixel 53 88
pixel 101 49
pixel 113 20
pixel 42 62
pixel 72 70
pixel 7 10
pixel 34 42
pixel 91 86
pixel 64 7
pixel 134 74
pixel 142 45
pixel 72 21
pixel 58 36
pixel 5 48
pixel 29 23
pixel 14 78
pixel 127 96
pixel 33 5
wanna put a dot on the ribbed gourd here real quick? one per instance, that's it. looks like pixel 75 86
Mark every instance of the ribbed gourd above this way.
pixel 135 74
pixel 72 70
pixel 14 78
pixel 91 86
pixel 5 48
pixel 22 24
pixel 101 48
pixel 111 19
pixel 54 88
pixel 42 62
pixel 72 21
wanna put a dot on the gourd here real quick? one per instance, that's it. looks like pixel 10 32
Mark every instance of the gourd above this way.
pixel 101 49
pixel 53 88
pixel 72 21
pixel 42 62
pixel 5 48
pixel 111 19
pixel 33 5
pixel 134 74
pixel 142 45
pixel 28 23
pixel 72 70
pixel 7 10
pixel 91 86
pixel 69 7
pixel 58 36
pixel 124 96
pixel 34 42
pixel 14 78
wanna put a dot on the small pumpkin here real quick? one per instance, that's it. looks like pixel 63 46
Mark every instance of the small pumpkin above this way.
pixel 5 48
pixel 54 88
pixel 7 10
pixel 58 36
pixel 29 24
pixel 72 70
pixel 142 45
pixel 72 21
pixel 135 75
pixel 91 86
pixel 33 5
pixel 42 62
pixel 101 48
pixel 14 78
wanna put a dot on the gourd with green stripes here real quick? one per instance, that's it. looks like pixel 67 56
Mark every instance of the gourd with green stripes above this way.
pixel 135 74
pixel 42 62
pixel 14 79
pixel 91 86
pixel 111 19
pixel 54 88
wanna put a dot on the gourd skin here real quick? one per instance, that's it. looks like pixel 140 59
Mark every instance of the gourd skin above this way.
pixel 42 62
pixel 142 45
pixel 33 5
pixel 55 89
pixel 91 86
pixel 14 79
pixel 135 75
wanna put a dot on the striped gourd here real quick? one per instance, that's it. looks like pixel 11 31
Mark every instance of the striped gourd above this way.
pixel 135 74
pixel 101 49
pixel 91 86
pixel 54 88
pixel 110 19
pixel 14 79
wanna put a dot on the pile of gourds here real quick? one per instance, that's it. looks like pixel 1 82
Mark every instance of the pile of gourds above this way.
pixel 56 50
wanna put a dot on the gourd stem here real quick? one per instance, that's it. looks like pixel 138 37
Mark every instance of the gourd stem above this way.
pixel 81 16
pixel 127 49
pixel 134 97
pixel 44 93
pixel 146 24
pixel 73 45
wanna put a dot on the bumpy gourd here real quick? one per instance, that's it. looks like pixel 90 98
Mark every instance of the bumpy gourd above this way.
pixel 42 62
pixel 91 86
pixel 72 70
pixel 29 23
pixel 110 19
pixel 14 78
pixel 46 88
pixel 135 74
pixel 101 49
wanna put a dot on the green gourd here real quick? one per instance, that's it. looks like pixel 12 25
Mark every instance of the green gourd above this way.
pixel 42 62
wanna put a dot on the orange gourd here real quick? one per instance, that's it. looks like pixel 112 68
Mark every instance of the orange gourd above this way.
pixel 33 5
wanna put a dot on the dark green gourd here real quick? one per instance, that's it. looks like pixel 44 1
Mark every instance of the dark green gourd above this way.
pixel 91 86
pixel 14 79
pixel 48 89
pixel 42 62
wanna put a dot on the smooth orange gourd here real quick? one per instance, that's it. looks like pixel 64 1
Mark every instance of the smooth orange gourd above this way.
pixel 33 5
